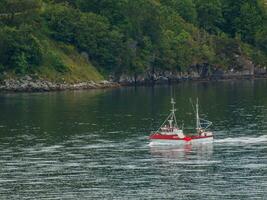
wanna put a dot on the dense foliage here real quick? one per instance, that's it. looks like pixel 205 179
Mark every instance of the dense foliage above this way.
pixel 133 36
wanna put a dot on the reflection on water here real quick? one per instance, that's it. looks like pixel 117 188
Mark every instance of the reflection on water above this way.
pixel 94 144
pixel 182 152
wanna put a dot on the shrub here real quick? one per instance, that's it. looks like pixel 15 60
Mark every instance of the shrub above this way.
pixel 20 50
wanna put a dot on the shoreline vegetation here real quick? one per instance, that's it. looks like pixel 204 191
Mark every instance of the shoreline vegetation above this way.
pixel 50 45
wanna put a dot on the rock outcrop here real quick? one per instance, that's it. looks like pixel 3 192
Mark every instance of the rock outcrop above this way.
pixel 28 84
pixel 198 72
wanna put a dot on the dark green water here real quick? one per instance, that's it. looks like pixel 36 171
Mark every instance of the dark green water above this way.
pixel 93 144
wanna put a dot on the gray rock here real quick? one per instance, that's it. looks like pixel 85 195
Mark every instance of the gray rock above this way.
pixel 31 85
pixel 104 82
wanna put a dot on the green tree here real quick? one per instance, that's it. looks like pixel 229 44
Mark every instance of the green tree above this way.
pixel 20 50
pixel 244 18
pixel 96 37
pixel 261 39
pixel 209 14
pixel 63 22
pixel 17 9
pixel 143 19
pixel 176 51
pixel 111 9
pixel 249 22
pixel 231 11
pixel 185 8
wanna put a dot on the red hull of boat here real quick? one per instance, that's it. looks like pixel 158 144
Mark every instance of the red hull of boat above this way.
pixel 158 136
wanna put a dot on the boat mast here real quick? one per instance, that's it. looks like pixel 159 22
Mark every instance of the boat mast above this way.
pixel 173 103
pixel 173 118
pixel 197 117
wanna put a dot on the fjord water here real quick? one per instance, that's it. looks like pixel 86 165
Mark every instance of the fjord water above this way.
pixel 94 144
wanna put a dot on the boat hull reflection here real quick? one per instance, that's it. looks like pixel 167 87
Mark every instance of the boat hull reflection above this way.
pixel 196 150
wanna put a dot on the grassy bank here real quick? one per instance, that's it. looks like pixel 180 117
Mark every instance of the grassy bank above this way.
pixel 62 62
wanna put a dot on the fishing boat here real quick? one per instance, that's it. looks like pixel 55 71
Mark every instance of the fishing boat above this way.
pixel 170 134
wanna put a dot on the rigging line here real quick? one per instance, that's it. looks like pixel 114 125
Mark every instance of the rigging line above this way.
pixel 165 121
pixel 192 105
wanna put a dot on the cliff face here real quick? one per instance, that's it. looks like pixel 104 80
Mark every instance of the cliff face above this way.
pixel 244 69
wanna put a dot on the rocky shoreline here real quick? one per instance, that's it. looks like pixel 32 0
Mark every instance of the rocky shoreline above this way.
pixel 166 77
pixel 28 84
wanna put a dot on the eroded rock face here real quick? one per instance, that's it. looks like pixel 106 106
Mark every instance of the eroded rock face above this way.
pixel 197 72
pixel 28 84
pixel 159 77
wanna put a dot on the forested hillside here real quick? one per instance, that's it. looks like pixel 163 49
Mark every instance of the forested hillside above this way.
pixel 73 38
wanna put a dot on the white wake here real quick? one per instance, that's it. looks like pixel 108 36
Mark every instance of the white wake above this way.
pixel 245 140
